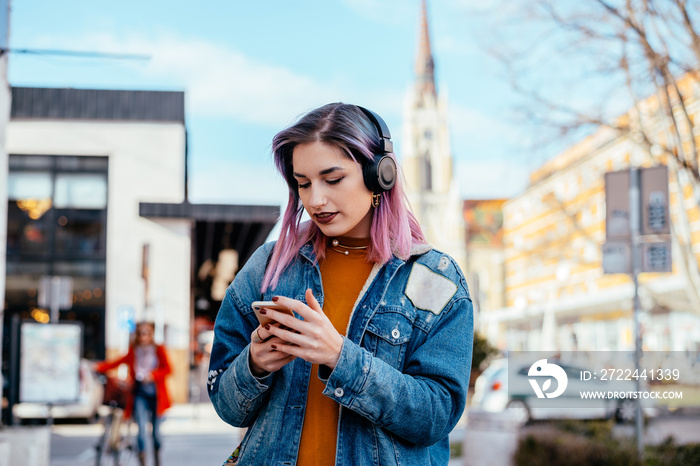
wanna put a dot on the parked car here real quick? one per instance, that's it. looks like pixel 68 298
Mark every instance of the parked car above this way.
pixel 85 409
pixel 492 394
pixel 205 340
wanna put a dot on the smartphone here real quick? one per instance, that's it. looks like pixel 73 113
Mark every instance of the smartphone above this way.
pixel 257 305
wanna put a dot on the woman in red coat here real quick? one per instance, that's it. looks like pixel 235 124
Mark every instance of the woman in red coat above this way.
pixel 148 367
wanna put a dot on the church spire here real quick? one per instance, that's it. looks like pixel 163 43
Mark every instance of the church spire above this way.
pixel 425 67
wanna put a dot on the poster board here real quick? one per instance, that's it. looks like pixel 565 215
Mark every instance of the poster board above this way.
pixel 49 370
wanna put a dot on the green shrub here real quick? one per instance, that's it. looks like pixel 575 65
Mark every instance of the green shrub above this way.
pixel 564 448
pixel 670 454
pixel 483 352
pixel 586 443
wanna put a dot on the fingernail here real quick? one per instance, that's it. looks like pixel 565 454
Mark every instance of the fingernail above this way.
pixel 263 311
pixel 267 326
pixel 275 298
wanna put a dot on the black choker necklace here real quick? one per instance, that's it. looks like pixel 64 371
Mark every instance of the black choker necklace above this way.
pixel 336 244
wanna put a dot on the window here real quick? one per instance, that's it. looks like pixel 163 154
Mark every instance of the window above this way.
pixel 57 207
pixel 57 226
pixel 29 185
pixel 81 191
pixel 426 173
pixel 80 233
pixel 26 236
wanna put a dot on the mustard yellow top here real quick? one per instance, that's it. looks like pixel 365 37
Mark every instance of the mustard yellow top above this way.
pixel 343 277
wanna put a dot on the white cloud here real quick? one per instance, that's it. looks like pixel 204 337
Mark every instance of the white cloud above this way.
pixel 223 81
pixel 491 179
pixel 494 165
pixel 476 135
pixel 477 124
pixel 242 183
pixel 219 80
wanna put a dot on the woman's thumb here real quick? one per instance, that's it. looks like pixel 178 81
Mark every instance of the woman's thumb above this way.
pixel 312 301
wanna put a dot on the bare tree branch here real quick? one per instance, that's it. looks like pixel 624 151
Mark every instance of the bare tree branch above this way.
pixel 689 27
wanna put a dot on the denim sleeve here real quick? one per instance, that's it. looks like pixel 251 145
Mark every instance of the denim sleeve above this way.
pixel 423 403
pixel 237 395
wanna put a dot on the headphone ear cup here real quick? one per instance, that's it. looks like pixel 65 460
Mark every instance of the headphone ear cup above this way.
pixel 380 175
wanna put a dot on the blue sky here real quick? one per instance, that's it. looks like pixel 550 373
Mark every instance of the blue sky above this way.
pixel 250 68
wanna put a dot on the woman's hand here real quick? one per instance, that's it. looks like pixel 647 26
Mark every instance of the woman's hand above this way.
pixel 263 357
pixel 313 339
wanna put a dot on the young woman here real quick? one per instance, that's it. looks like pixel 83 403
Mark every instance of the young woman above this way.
pixel 374 366
pixel 148 367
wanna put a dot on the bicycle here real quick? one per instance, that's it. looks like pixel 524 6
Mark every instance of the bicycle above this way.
pixel 117 437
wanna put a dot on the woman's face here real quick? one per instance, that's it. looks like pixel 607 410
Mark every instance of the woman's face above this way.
pixel 332 190
pixel 144 335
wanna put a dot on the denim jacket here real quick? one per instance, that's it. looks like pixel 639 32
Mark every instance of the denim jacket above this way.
pixel 401 379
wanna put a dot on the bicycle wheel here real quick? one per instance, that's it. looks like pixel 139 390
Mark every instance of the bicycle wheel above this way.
pixel 103 446
pixel 116 454
pixel 127 447
pixel 116 440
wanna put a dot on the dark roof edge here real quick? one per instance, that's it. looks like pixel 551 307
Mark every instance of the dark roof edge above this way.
pixel 211 212
pixel 97 104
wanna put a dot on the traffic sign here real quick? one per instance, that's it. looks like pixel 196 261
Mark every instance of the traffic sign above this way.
pixel 654 191
pixel 637 205
pixel 656 257
pixel 617 205
pixel 617 257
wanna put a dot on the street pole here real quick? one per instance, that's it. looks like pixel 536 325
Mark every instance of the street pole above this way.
pixel 54 299
pixel 635 248
pixel 5 106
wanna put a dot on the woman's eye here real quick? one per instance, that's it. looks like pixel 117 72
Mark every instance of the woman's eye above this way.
pixel 304 186
pixel 336 181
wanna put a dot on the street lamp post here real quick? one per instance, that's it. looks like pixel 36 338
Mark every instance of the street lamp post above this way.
pixel 637 231
pixel 635 248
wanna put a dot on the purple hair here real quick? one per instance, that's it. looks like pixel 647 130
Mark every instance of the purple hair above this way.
pixel 394 227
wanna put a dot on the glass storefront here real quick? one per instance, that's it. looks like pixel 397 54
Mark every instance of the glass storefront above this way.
pixel 57 227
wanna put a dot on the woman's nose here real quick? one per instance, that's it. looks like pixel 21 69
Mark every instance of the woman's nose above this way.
pixel 318 197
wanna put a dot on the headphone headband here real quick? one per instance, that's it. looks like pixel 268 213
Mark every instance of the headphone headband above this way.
pixel 385 136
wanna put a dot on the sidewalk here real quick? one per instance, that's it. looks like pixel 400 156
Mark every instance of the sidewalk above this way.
pixel 192 434
pixel 199 418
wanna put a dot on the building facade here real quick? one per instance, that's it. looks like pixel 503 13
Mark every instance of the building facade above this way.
pixel 427 157
pixel 4 120
pixel 80 161
pixel 557 294
pixel 97 203
pixel 485 266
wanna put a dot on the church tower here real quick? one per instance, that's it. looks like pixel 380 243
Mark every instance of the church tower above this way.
pixel 427 156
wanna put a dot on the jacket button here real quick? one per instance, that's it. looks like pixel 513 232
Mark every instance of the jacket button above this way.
pixel 339 392
pixel 395 333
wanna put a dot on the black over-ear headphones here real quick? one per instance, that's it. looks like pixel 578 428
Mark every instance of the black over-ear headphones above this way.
pixel 380 175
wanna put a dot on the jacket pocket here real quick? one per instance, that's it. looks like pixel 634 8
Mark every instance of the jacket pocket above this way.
pixel 388 334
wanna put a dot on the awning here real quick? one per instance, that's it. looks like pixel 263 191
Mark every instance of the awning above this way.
pixel 219 226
